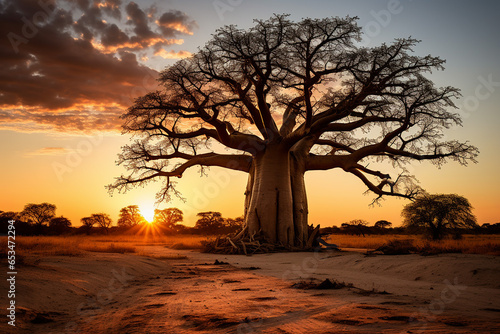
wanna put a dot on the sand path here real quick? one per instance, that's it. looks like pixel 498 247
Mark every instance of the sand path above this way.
pixel 185 292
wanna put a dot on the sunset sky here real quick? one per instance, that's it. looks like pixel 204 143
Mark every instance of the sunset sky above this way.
pixel 70 68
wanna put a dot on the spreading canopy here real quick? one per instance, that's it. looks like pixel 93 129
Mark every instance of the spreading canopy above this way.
pixel 168 217
pixel 39 214
pixel 102 220
pixel 130 216
pixel 305 88
pixel 438 213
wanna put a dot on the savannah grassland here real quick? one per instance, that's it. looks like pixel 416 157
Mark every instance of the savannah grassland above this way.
pixel 163 280
pixel 78 245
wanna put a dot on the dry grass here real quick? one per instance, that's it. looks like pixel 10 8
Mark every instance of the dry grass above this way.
pixel 78 245
pixel 108 248
pixel 469 244
pixel 46 246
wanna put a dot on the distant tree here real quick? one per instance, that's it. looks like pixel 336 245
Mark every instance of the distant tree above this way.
pixel 209 221
pixel 232 225
pixel 180 228
pixel 356 226
pixel 130 216
pixel 438 214
pixel 100 219
pixel 490 228
pixel 8 215
pixel 382 224
pixel 60 224
pixel 5 217
pixel 38 214
pixel 329 230
pixel 168 218
pixel 22 227
pixel 87 223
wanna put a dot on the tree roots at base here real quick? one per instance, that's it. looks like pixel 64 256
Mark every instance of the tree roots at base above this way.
pixel 243 243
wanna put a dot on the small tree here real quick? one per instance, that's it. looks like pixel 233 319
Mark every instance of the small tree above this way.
pixel 168 218
pixel 87 223
pixel 130 216
pixel 60 224
pixel 21 226
pixel 39 214
pixel 233 225
pixel 100 219
pixel 210 221
pixel 382 224
pixel 438 213
pixel 356 226
pixel 8 215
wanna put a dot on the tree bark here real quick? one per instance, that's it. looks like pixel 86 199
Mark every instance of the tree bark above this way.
pixel 270 208
pixel 300 207
pixel 275 197
pixel 248 189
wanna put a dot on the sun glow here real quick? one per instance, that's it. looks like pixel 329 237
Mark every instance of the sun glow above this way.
pixel 147 211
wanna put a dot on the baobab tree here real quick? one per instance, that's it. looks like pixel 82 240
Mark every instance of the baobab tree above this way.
pixel 284 98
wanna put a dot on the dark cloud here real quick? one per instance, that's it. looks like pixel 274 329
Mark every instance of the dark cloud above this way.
pixel 82 4
pixel 69 76
pixel 139 19
pixel 112 35
pixel 112 8
pixel 175 21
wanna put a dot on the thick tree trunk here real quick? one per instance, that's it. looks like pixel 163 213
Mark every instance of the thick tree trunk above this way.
pixel 270 208
pixel 300 208
pixel 248 189
pixel 275 196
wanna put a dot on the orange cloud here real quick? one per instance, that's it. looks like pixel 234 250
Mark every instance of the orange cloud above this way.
pixel 172 54
pixel 174 22
pixel 177 26
pixel 50 151
pixel 135 45
pixel 81 75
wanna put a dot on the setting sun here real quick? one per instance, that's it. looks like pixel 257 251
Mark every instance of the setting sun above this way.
pixel 147 211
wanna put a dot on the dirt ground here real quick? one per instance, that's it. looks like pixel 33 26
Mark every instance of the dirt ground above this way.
pixel 174 291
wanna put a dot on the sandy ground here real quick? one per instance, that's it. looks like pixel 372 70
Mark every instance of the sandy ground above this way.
pixel 185 292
